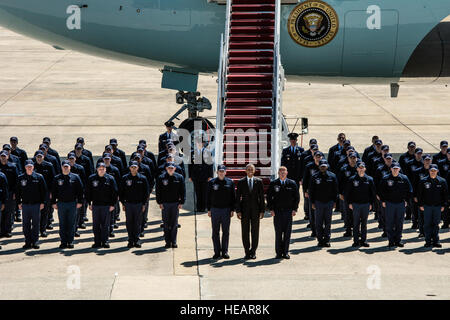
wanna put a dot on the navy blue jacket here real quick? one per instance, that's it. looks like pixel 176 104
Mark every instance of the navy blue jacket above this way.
pixel 12 173
pixel 67 188
pixel 395 189
pixel 3 188
pixel 323 187
pixel 134 189
pixel 31 189
pixel 432 192
pixel 283 196
pixel 291 158
pixel 310 170
pixel 170 188
pixel 101 191
pixel 221 194
pixel 360 190
pixel 344 174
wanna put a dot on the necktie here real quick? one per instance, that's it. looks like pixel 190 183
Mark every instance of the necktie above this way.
pixel 250 184
pixel 292 149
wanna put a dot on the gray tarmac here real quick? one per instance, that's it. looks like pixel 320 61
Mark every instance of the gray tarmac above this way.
pixel 64 94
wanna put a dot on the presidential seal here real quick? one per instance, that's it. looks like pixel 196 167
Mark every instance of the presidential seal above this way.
pixel 313 24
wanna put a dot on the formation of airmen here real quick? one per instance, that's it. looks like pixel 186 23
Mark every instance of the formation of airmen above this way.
pixel 413 188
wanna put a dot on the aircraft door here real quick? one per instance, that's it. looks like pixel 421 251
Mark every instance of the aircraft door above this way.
pixel 370 42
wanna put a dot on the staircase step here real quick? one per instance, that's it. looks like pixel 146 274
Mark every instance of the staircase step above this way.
pixel 248 119
pixel 249 94
pixel 251 45
pixel 248 111
pixel 263 68
pixel 249 77
pixel 252 15
pixel 252 22
pixel 253 7
pixel 251 37
pixel 250 60
pixel 250 86
pixel 245 126
pixel 252 29
pixel 248 102
pixel 251 53
pixel 252 1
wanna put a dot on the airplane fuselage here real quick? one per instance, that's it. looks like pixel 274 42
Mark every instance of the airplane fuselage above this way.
pixel 373 44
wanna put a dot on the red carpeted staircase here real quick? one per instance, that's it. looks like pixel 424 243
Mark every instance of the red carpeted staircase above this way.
pixel 249 88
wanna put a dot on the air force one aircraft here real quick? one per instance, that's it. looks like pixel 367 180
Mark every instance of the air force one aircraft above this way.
pixel 337 41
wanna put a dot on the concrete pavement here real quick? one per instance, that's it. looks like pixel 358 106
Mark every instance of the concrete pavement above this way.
pixel 64 94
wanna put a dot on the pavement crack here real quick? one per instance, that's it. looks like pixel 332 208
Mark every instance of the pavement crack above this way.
pixel 394 117
pixel 34 79
pixel 116 275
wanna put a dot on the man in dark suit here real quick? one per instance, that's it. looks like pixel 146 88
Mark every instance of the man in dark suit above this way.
pixel 250 209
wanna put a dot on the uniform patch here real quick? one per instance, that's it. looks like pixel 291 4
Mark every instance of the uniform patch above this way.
pixel 60 182
pixel 95 183
pixel 216 187
pixel 313 24
pixel 390 183
pixel 347 173
pixel 318 181
pixel 423 176
pixel 129 183
pixel 277 188
pixel 413 168
pixel 445 167
pixel 427 185
pixel 165 182
pixel 355 183
pixel 23 183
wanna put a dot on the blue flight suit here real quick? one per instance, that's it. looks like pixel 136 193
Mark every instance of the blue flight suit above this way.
pixel 220 200
pixel 323 192
pixel 282 198
pixel 432 194
pixel 394 191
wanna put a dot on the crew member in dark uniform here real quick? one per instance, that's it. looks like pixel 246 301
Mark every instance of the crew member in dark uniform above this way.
pixel 170 195
pixel 360 194
pixel 117 152
pixel 291 158
pixel 11 172
pixel 282 201
pixel 101 196
pixel 31 195
pixel 311 169
pixel 3 193
pixel 336 149
pixel 168 135
pixel 220 202
pixel 22 154
pixel 348 170
pixel 48 172
pixel 67 196
pixel 432 196
pixel 441 156
pixel 200 172
pixel 395 190
pixel 134 193
pixel 323 193
pixel 444 171
pixel 79 170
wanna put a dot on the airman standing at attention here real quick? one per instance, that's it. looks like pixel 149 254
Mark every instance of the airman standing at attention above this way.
pixel 395 190
pixel 441 156
pixel 31 194
pixel 51 151
pixel 405 160
pixel 67 196
pixel 101 196
pixel 84 151
pixel 291 158
pixel 11 172
pixel 433 196
pixel 15 150
pixel 282 201
pixel 370 150
pixel 3 193
pixel 311 169
pixel 345 173
pixel 200 171
pixel 444 171
pixel 323 193
pixel 12 158
pixel 170 195
pixel 166 136
pixel 360 193
pixel 46 169
pixel 420 173
pixel 220 203
pixel 134 192
pixel 78 170
pixel 117 152
pixel 336 149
